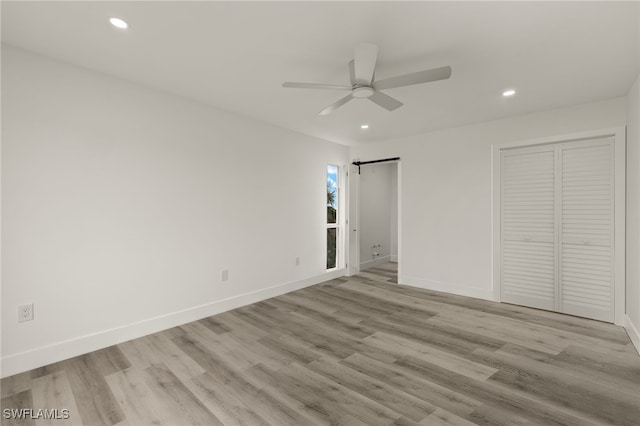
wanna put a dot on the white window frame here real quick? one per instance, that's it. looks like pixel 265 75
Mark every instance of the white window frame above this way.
pixel 339 212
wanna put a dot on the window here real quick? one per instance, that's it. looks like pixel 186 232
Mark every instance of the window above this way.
pixel 332 216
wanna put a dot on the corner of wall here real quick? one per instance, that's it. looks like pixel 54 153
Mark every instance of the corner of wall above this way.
pixel 633 333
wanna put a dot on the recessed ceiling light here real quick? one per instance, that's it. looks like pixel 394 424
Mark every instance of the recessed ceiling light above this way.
pixel 508 93
pixel 364 126
pixel 119 23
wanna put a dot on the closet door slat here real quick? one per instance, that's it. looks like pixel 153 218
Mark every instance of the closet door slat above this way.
pixel 587 229
pixel 528 227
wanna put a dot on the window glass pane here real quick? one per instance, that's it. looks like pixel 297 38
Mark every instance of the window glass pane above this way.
pixel 332 194
pixel 332 239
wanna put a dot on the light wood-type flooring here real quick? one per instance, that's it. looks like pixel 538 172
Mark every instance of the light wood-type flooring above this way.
pixel 357 351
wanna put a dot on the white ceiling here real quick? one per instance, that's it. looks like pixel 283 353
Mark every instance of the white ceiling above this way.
pixel 235 55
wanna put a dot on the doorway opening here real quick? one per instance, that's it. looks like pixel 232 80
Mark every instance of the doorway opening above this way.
pixel 374 219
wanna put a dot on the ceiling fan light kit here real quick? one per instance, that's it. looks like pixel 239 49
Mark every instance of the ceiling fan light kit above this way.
pixel 361 75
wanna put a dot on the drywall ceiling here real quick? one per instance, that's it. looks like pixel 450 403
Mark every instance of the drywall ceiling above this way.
pixel 235 55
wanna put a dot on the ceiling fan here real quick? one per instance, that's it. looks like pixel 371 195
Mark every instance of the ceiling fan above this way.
pixel 362 73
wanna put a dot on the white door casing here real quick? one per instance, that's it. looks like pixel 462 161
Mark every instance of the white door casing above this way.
pixel 353 240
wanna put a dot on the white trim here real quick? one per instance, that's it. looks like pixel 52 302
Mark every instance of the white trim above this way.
pixel 592 134
pixel 352 248
pixel 372 262
pixel 393 258
pixel 24 361
pixel 478 293
pixel 618 133
pixel 620 219
pixel 633 333
pixel 398 256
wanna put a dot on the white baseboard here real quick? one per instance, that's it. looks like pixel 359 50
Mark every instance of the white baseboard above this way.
pixel 373 262
pixel 477 293
pixel 633 333
pixel 394 258
pixel 34 358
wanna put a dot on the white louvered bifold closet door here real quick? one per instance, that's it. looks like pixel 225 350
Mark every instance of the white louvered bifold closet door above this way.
pixel 528 227
pixel 557 227
pixel 586 234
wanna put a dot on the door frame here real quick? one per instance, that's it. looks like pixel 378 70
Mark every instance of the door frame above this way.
pixel 619 144
pixel 353 220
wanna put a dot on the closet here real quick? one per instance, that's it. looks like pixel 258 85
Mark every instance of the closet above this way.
pixel 557 227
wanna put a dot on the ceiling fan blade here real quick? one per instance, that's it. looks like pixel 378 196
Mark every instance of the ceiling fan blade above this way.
pixel 414 78
pixel 328 110
pixel 365 56
pixel 315 86
pixel 385 101
pixel 352 73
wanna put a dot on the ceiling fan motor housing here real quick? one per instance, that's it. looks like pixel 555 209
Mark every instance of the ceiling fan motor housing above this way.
pixel 362 92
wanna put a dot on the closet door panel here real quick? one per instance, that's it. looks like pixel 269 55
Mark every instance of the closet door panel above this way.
pixel 528 227
pixel 586 233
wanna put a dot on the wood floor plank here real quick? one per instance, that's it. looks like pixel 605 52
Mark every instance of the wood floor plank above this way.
pixel 490 415
pixel 451 339
pixel 226 407
pixel 404 404
pixel 500 398
pixel 54 392
pixel 356 351
pixel 93 397
pixel 607 366
pixel 15 384
pixel 263 403
pixel 579 392
pixel 353 403
pixel 442 417
pixel 507 333
pixel 137 401
pixel 330 320
pixel 140 353
pixel 312 405
pixel 170 391
pixel 235 321
pixel 309 303
pixel 109 360
pixel 214 325
pixel 403 347
pixel 291 349
pixel 17 403
pixel 183 366
pixel 407 381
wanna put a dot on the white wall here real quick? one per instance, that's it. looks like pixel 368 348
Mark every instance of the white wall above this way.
pixel 633 214
pixel 121 205
pixel 446 203
pixel 377 194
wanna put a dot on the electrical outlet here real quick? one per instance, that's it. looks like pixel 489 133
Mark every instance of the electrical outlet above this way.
pixel 297 261
pixel 25 312
pixel 224 275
